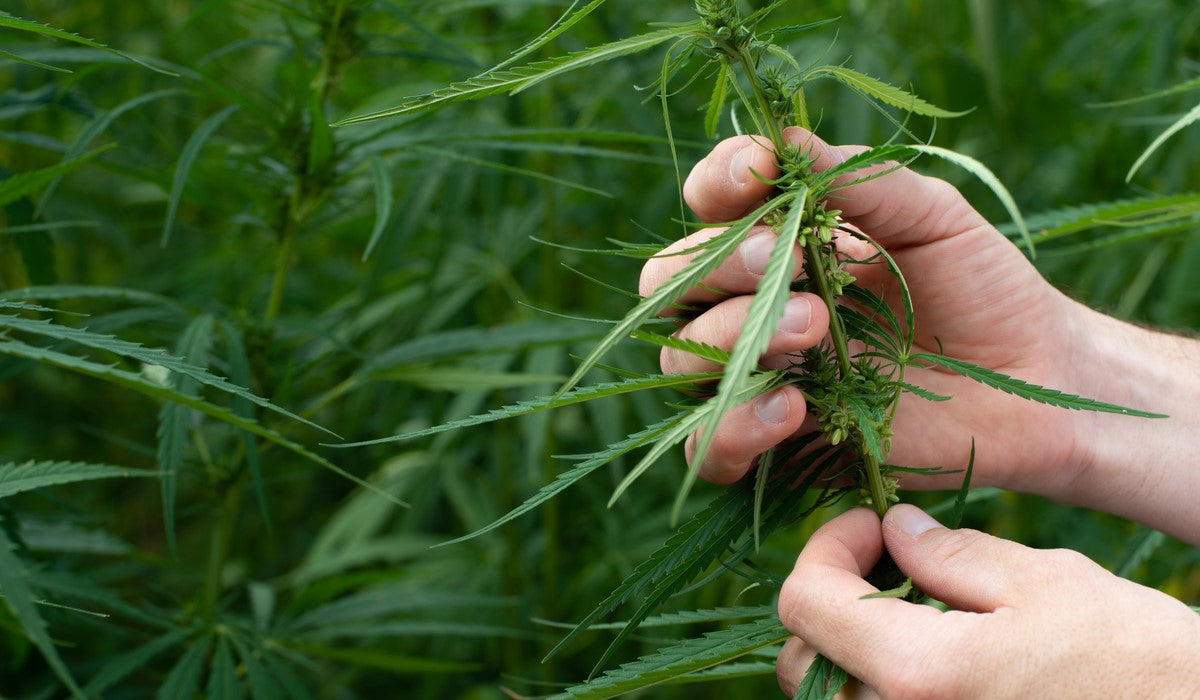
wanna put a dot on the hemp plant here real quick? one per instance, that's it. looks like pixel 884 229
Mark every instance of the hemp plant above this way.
pixel 853 382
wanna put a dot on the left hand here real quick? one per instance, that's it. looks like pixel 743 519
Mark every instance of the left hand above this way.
pixel 1024 623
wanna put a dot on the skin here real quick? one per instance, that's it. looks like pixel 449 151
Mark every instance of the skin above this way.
pixel 1021 613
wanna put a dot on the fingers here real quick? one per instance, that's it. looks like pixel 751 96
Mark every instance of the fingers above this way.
pixel 793 663
pixel 804 323
pixel 724 186
pixel 902 208
pixel 822 603
pixel 738 274
pixel 972 571
pixel 747 431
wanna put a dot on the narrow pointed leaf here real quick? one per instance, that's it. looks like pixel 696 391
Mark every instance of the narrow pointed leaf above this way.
pixel 494 82
pixel 715 251
pixel 183 168
pixel 18 595
pixel 24 184
pixel 145 386
pixel 13 22
pixel 682 658
pixel 823 681
pixel 716 103
pixel 762 321
pixel 705 351
pixel 17 478
pixel 384 201
pixel 521 408
pixel 1025 390
pixel 892 95
pixel 117 668
pixel 1179 125
pixel 587 466
pixel 988 178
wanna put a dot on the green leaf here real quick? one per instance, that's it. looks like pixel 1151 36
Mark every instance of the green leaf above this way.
pixel 1025 390
pixel 24 184
pixel 31 62
pixel 386 660
pixel 67 291
pixel 117 668
pixel 263 685
pixel 145 386
pixel 176 421
pixel 183 168
pixel 823 680
pixel 384 202
pixel 579 471
pixel 898 592
pixel 716 103
pixel 542 403
pixel 17 478
pixel 960 499
pixel 705 351
pixel 762 321
pixel 240 373
pixel 513 80
pixel 140 353
pixel 873 87
pixel 981 171
pixel 12 22
pixel 562 24
pixel 1185 86
pixel 683 617
pixel 682 658
pixel 1179 125
pixel 725 672
pixel 1140 547
pixel 1126 213
pixel 715 251
pixel 223 682
pixel 184 678
pixel 18 595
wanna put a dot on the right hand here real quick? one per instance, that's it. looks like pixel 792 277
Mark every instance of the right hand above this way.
pixel 974 294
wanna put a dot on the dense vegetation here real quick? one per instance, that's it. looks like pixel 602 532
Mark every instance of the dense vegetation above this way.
pixel 176 532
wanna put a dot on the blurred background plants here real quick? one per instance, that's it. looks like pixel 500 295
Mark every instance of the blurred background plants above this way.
pixel 382 278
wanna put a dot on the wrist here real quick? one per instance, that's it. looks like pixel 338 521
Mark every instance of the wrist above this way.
pixel 1139 468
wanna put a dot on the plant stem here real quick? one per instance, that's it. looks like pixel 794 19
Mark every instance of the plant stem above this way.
pixel 764 105
pixel 817 273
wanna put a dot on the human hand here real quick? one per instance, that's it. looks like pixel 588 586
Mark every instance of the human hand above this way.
pixel 1024 623
pixel 975 296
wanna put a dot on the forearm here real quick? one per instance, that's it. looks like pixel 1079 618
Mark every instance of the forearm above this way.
pixel 1145 469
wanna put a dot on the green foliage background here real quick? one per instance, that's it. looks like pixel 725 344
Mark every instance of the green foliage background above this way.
pixel 287 578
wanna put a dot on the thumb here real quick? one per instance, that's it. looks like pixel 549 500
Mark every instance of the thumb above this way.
pixel 970 570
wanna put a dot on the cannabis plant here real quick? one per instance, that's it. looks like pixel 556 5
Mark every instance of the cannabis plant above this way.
pixel 852 383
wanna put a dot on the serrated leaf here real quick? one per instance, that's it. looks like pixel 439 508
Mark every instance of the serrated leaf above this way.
pixel 69 291
pixel 16 478
pixel 263 685
pixel 1183 122
pixel 183 168
pixel 923 392
pixel 175 420
pixel 143 354
pixel 1125 213
pixel 13 22
pixel 18 595
pixel 725 672
pixel 822 681
pixel 762 321
pixel 716 103
pixel 565 21
pixel 579 471
pixel 184 678
pixel 512 80
pixel 715 251
pixel 682 658
pixel 683 617
pixel 705 351
pixel 542 403
pixel 24 184
pixel 892 95
pixel 1025 390
pixel 988 178
pixel 145 386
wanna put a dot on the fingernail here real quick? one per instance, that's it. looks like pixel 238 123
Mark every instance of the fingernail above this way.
pixel 798 317
pixel 756 252
pixel 739 165
pixel 912 520
pixel 772 407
